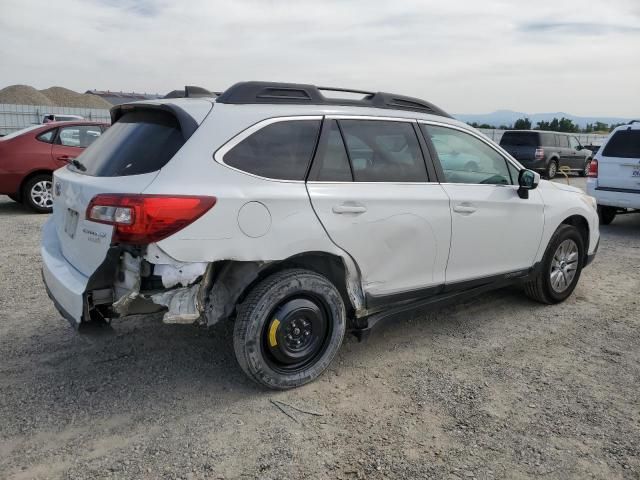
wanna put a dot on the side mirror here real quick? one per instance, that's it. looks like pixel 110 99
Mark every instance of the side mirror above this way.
pixel 528 180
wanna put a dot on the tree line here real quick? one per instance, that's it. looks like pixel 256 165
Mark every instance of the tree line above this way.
pixel 555 125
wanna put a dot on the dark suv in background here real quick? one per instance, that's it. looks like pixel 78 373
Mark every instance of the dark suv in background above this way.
pixel 547 152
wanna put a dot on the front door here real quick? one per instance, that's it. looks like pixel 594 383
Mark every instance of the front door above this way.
pixel 493 230
pixel 375 201
pixel 71 141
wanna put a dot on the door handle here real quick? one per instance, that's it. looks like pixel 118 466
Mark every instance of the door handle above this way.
pixel 340 209
pixel 65 158
pixel 468 209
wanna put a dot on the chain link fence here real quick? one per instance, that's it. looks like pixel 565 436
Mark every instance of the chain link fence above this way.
pixel 16 117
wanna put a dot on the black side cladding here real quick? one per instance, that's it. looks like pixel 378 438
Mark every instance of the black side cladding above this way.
pixel 245 93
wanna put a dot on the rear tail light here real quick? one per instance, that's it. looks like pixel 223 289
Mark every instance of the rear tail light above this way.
pixel 143 219
pixel 539 153
pixel 593 169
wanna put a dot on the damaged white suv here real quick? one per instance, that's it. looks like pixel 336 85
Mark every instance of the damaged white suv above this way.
pixel 301 214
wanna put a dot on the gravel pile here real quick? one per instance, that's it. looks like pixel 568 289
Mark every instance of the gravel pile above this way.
pixel 63 97
pixel 24 95
pixel 52 97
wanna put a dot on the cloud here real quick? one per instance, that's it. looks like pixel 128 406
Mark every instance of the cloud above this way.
pixel 465 56
pixel 578 28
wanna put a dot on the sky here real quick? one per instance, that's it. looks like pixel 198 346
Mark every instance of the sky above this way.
pixel 466 56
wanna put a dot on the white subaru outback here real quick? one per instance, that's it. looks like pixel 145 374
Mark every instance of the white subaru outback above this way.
pixel 614 173
pixel 301 214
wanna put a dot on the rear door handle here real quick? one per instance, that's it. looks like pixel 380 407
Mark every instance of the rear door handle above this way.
pixel 468 209
pixel 344 208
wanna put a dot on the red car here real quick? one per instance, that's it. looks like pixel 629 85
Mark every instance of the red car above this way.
pixel 28 158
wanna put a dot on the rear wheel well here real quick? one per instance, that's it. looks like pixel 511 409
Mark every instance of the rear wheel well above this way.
pixel 233 280
pixel 582 225
pixel 326 264
pixel 30 176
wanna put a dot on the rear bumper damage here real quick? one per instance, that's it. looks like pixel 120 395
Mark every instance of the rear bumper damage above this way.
pixel 126 284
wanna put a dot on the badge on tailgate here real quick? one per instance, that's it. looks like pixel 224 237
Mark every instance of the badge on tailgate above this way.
pixel 71 222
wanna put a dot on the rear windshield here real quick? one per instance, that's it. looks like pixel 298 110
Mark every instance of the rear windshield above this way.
pixel 520 139
pixel 623 144
pixel 141 141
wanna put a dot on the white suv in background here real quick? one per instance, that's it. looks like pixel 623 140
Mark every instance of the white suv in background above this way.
pixel 614 173
pixel 301 215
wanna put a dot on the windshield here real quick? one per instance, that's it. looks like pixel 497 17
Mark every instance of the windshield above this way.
pixel 141 141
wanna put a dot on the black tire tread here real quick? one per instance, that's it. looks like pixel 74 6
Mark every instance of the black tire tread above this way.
pixel 536 289
pixel 245 312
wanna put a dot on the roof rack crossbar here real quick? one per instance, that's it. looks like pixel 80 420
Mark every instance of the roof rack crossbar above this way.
pixel 245 93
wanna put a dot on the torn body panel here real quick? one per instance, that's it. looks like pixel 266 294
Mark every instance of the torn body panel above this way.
pixel 150 280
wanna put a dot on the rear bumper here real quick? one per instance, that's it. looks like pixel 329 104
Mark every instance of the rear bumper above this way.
pixel 65 285
pixel 614 197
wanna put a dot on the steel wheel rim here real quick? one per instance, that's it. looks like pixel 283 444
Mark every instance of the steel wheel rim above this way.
pixel 41 194
pixel 297 334
pixel 564 266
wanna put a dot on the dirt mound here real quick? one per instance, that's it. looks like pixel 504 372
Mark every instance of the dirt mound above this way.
pixel 63 97
pixel 24 95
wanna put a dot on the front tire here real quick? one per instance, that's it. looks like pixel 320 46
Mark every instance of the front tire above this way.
pixel 37 193
pixel 561 267
pixel 606 214
pixel 289 328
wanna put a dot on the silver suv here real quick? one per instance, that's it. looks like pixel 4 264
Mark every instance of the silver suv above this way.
pixel 300 215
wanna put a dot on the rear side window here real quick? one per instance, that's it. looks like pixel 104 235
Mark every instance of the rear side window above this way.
pixel 548 139
pixel 78 135
pixel 623 144
pixel 520 139
pixel 280 151
pixel 563 141
pixel 331 163
pixel 141 141
pixel 48 136
pixel 383 151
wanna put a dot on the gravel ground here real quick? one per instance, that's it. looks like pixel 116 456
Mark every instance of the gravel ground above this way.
pixel 497 387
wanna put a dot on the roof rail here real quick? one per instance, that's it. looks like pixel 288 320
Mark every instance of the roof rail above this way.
pixel 244 93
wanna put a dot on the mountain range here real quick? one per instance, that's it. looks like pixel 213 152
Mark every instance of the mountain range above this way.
pixel 508 117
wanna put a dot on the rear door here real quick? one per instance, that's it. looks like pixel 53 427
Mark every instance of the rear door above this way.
pixel 370 189
pixel 619 160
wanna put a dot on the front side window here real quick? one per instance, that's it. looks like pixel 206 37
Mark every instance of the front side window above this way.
pixel 281 150
pixel 574 143
pixel 466 159
pixel 78 136
pixel 383 151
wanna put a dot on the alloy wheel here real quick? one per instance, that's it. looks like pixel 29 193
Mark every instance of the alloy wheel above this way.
pixel 41 194
pixel 564 265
